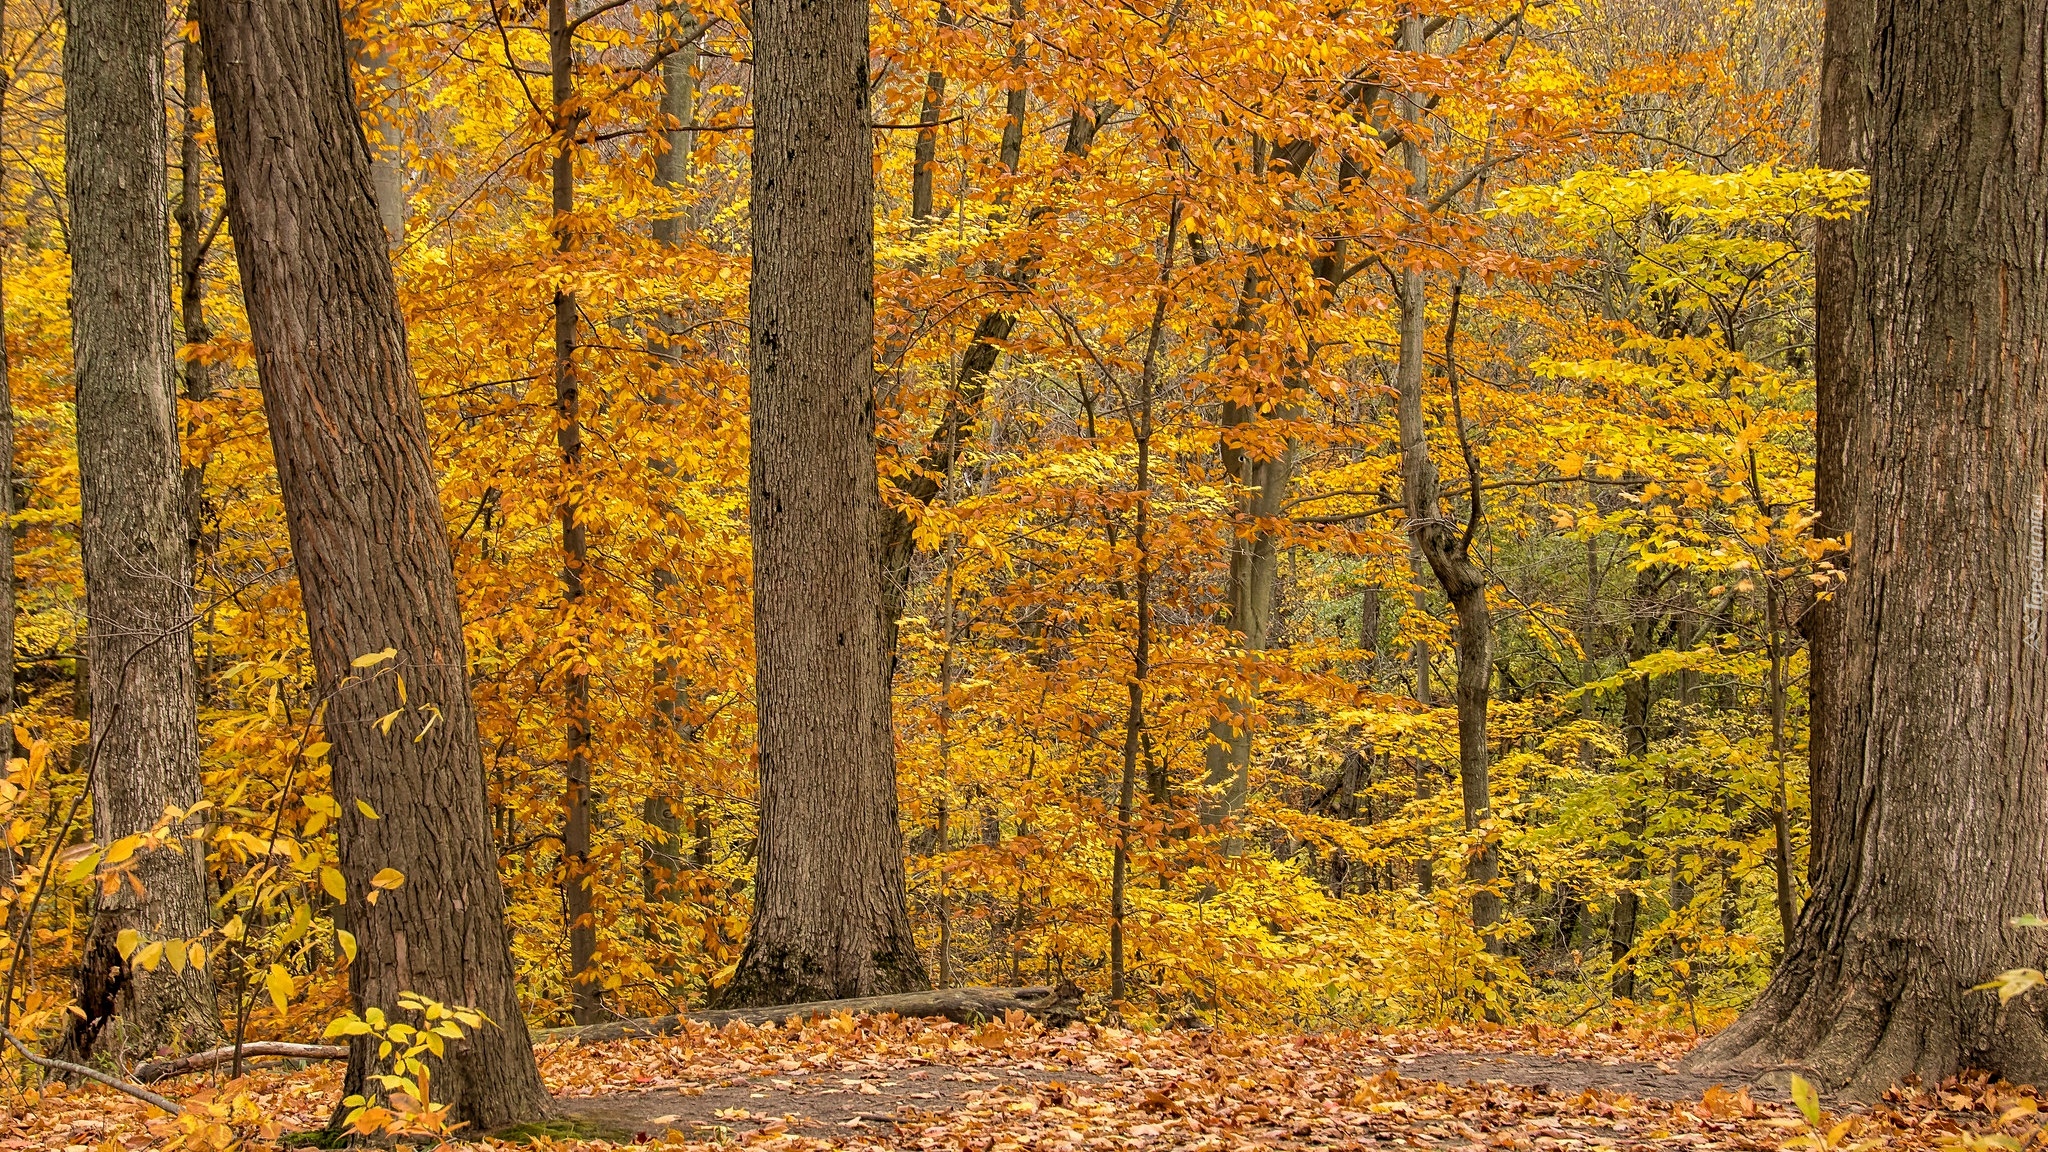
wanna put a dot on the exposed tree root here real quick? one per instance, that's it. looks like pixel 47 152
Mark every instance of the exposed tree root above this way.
pixel 1873 1015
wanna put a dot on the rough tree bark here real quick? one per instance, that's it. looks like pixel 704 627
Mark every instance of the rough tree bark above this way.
pixel 369 542
pixel 138 586
pixel 1930 693
pixel 829 914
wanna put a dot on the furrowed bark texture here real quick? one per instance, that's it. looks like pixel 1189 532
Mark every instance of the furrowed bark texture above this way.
pixel 829 914
pixel 1930 695
pixel 368 540
pixel 132 530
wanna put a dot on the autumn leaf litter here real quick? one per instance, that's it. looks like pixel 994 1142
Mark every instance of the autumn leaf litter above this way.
pixel 884 1083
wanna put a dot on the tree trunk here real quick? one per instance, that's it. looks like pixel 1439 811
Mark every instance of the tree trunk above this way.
pixel 576 876
pixel 1446 547
pixel 369 542
pixel 1136 745
pixel 924 161
pixel 145 738
pixel 387 150
pixel 1369 631
pixel 829 917
pixel 7 602
pixel 1636 700
pixel 970 383
pixel 1930 688
pixel 661 854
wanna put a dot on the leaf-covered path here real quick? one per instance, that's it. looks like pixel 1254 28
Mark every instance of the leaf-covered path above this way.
pixel 886 1084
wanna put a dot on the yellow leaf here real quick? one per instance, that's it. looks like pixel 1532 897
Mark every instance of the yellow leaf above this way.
pixel 363 806
pixel 174 951
pixel 387 878
pixel 317 750
pixel 123 848
pixel 1806 1098
pixel 330 879
pixel 348 944
pixel 384 721
pixel 150 956
pixel 126 941
pixel 373 658
pixel 233 929
pixel 279 984
pixel 195 954
pixel 302 919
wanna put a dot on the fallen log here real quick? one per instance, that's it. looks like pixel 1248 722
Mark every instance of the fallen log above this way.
pixel 151 1071
pixel 961 1005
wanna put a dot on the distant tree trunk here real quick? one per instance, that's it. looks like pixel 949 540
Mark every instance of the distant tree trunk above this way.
pixel 829 916
pixel 369 543
pixel 1635 735
pixel 1930 665
pixel 7 603
pixel 679 102
pixel 1445 545
pixel 955 429
pixel 138 587
pixel 1369 630
pixel 194 238
pixel 387 151
pixel 924 161
pixel 661 854
pixel 576 875
pixel 1136 746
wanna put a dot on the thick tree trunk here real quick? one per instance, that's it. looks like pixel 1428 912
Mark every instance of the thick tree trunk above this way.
pixel 1930 693
pixel 829 914
pixel 369 543
pixel 144 733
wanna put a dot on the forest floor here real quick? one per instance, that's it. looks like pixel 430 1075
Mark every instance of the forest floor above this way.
pixel 896 1086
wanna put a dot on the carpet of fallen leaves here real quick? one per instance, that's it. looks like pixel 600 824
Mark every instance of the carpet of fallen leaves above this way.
pixel 899 1086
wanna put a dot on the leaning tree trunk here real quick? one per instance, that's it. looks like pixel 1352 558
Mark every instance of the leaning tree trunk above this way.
pixel 369 543
pixel 138 585
pixel 1930 693
pixel 829 918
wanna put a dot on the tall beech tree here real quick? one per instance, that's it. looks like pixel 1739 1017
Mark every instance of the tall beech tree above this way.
pixel 369 544
pixel 829 915
pixel 1930 664
pixel 144 732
